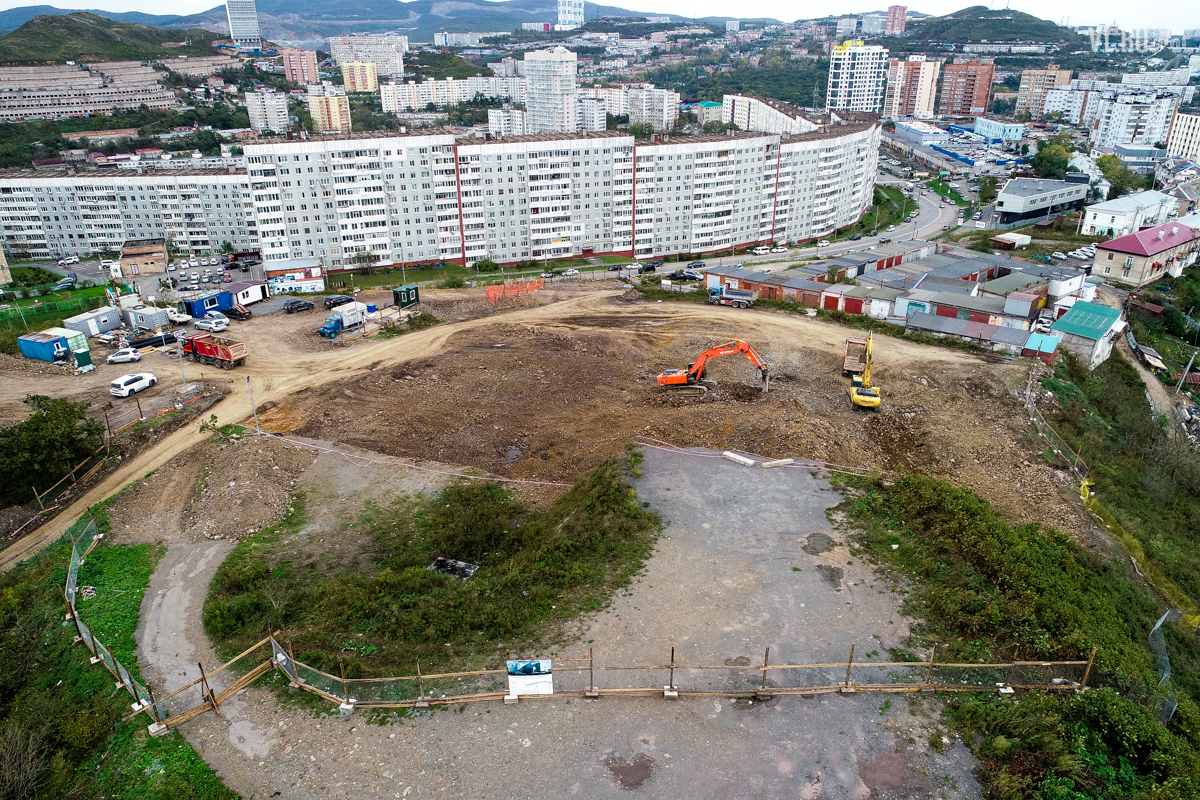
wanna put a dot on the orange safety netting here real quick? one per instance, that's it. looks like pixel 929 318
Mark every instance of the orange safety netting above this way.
pixel 494 293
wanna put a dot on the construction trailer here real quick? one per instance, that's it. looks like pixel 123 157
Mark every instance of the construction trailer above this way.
pixel 94 322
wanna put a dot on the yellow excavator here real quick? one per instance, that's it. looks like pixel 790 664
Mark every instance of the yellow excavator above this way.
pixel 862 394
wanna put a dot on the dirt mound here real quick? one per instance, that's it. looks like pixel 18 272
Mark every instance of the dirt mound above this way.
pixel 218 490
pixel 19 365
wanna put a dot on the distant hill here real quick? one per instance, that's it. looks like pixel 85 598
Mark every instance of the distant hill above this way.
pixel 982 24
pixel 307 20
pixel 83 36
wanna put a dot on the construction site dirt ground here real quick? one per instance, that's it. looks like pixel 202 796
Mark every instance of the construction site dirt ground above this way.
pixel 551 397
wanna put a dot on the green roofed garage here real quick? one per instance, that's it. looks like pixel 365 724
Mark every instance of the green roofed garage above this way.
pixel 1088 331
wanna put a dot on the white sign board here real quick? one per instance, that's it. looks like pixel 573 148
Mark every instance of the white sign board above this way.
pixel 530 677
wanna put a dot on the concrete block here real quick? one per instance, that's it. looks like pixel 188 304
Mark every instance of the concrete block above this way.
pixel 158 730
pixel 1007 690
pixel 346 709
pixel 739 459
pixel 95 659
pixel 762 694
pixel 847 690
pixel 783 462
pixel 138 706
pixel 670 693
pixel 422 703
pixel 510 699
pixel 592 692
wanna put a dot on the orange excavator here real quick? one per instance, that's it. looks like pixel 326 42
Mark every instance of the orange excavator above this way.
pixel 692 381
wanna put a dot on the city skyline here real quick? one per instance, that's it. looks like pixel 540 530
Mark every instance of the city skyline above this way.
pixel 1174 14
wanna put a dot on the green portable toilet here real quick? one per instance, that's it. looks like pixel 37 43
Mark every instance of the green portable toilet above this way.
pixel 406 296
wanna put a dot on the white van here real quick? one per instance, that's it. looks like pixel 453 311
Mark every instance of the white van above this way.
pixel 762 251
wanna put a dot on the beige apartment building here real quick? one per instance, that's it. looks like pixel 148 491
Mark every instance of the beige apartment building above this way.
pixel 360 76
pixel 329 108
pixel 1035 83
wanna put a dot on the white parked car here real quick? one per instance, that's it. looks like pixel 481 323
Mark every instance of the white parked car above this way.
pixel 823 243
pixel 762 250
pixel 171 268
pixel 132 384
pixel 1059 256
pixel 779 249
pixel 178 317
pixel 125 355
pixel 204 262
pixel 65 260
pixel 214 325
pixel 571 273
pixel 193 263
pixel 195 276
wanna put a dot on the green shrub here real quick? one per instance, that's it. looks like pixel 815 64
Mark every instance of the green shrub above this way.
pixel 381 617
pixel 987 591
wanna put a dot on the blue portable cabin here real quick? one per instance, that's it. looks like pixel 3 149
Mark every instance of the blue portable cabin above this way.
pixel 44 346
pixel 196 307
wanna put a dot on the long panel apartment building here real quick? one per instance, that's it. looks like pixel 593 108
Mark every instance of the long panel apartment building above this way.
pixel 432 196
pixel 197 211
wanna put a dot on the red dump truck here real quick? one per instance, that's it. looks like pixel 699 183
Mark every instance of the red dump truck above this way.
pixel 208 349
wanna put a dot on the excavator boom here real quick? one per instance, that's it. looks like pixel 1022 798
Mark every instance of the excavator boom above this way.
pixel 694 374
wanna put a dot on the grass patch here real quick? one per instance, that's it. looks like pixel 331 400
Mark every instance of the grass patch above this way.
pixel 947 191
pixel 382 615
pixel 426 320
pixel 986 591
pixel 61 711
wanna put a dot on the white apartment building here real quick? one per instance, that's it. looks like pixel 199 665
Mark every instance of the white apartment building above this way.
pixel 857 75
pixel 52 214
pixel 614 98
pixel 548 195
pixel 413 96
pixel 911 88
pixel 658 108
pixel 1185 136
pixel 243 24
pixel 1133 119
pixel 1166 77
pixel 752 113
pixel 570 15
pixel 385 50
pixel 1079 100
pixel 65 90
pixel 591 113
pixel 1128 214
pixel 424 197
pixel 506 122
pixel 550 90
pixel 268 110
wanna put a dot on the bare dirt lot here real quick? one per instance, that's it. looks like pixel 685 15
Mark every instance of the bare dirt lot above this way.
pixel 547 399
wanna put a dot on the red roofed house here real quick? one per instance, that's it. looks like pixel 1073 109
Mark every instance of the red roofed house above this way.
pixel 1142 257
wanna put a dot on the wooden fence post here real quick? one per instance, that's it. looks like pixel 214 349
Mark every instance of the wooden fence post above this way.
pixel 929 669
pixel 208 692
pixel 342 669
pixel 41 505
pixel 766 663
pixel 138 400
pixel 1088 672
pixel 849 663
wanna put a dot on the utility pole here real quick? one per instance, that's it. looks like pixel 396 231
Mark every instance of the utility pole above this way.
pixel 1186 369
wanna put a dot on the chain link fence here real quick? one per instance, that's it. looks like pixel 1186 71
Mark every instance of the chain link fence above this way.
pixel 143 698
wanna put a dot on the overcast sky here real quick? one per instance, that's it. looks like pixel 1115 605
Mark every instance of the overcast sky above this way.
pixel 1175 14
